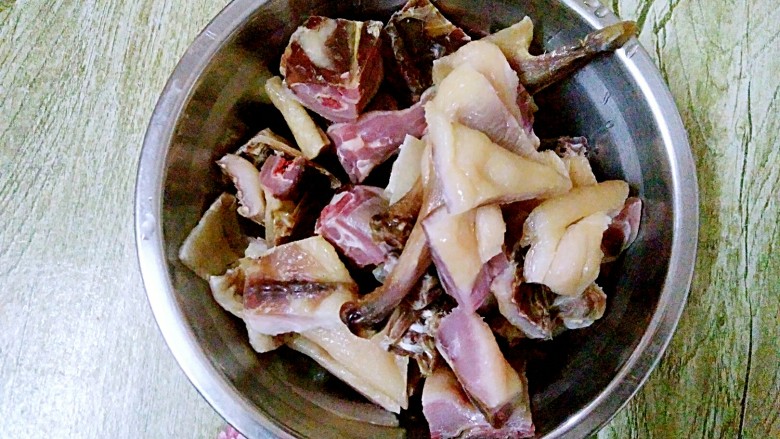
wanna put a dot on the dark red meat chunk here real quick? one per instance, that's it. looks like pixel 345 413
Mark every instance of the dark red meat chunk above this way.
pixel 334 66
pixel 282 177
pixel 346 223
pixel 365 143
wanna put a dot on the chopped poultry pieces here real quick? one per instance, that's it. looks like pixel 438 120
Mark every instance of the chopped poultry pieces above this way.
pixel 427 222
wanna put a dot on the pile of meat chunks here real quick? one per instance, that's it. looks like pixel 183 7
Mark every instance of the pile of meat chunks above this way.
pixel 478 239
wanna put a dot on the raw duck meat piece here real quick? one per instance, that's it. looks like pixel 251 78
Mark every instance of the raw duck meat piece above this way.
pixel 581 311
pixel 365 143
pixel 308 260
pixel 547 224
pixel 334 66
pixel 487 59
pixel 346 223
pixel 377 374
pixel 450 413
pixel 578 257
pixel 456 97
pixel 623 229
pixel 281 177
pixel 366 358
pixel 525 306
pixel 406 168
pixel 475 171
pixel 216 242
pixel 538 72
pixel 293 308
pixel 411 329
pixel 295 287
pixel 415 36
pixel 469 347
pixel 458 252
pixel 246 179
pixel 266 142
pixel 227 291
pixel 308 135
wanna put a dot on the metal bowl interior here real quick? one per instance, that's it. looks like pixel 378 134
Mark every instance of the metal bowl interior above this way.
pixel 578 381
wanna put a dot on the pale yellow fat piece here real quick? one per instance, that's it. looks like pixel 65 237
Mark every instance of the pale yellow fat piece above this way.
pixel 490 229
pixel 578 257
pixel 465 242
pixel 467 96
pixel 323 251
pixel 262 343
pixel 551 159
pixel 474 171
pixel 406 169
pixel 454 240
pixel 314 41
pixel 487 59
pixel 309 137
pixel 256 248
pixel 547 224
pixel 216 241
pixel 514 41
pixel 362 363
pixel 580 171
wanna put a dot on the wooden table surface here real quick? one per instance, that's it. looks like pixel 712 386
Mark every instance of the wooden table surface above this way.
pixel 80 354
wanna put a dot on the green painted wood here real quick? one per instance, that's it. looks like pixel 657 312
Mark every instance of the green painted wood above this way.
pixel 80 355
pixel 720 376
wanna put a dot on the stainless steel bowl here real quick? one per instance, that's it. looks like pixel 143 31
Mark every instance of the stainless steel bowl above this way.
pixel 578 381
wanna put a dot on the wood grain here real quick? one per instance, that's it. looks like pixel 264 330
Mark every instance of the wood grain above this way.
pixel 80 355
pixel 720 375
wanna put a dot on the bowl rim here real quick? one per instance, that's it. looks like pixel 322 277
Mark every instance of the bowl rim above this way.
pixel 247 418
